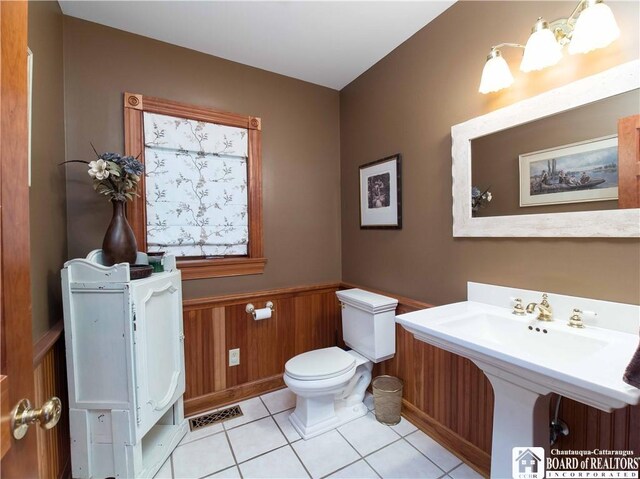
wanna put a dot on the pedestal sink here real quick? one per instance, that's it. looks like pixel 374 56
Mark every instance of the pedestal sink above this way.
pixel 526 360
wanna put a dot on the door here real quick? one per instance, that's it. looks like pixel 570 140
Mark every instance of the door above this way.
pixel 19 458
pixel 629 162
pixel 159 347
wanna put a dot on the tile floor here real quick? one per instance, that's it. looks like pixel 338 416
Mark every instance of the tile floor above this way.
pixel 263 444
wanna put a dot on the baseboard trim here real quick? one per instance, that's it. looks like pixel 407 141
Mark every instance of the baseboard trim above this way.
pixel 241 392
pixel 460 447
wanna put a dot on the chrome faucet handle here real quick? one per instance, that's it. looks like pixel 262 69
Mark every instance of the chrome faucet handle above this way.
pixel 518 308
pixel 575 321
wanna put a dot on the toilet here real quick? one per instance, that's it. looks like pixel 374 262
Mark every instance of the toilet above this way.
pixel 330 383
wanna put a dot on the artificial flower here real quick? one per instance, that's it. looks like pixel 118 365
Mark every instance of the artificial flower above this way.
pixel 98 169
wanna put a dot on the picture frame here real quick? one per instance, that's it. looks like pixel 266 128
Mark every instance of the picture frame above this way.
pixel 574 173
pixel 381 194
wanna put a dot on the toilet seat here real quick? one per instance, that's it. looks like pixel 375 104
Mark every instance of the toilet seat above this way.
pixel 320 364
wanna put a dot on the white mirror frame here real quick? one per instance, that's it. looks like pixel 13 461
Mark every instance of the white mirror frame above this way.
pixel 623 223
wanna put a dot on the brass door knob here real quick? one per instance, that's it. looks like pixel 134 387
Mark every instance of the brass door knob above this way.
pixel 23 415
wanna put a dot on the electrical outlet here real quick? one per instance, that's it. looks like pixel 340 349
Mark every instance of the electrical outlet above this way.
pixel 234 357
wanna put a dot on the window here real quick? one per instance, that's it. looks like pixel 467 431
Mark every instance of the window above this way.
pixel 201 195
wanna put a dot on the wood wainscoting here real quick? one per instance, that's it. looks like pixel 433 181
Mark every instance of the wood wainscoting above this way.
pixel 304 318
pixel 50 378
pixel 449 398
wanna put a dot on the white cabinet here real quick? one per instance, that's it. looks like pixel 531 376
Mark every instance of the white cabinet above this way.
pixel 125 365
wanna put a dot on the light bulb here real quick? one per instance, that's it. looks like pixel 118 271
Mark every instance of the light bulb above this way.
pixel 496 74
pixel 596 28
pixel 542 49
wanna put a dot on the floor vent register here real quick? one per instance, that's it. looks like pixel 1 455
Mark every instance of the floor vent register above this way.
pixel 215 417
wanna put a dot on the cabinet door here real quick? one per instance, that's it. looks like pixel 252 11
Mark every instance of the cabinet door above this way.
pixel 159 347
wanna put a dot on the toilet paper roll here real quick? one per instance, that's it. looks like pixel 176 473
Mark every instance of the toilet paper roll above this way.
pixel 262 313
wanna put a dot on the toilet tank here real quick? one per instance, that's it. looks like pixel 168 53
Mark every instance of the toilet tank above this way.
pixel 369 323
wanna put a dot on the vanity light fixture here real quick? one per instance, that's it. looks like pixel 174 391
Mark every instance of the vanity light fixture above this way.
pixel 591 25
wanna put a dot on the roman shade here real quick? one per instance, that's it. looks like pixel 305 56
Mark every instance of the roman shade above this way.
pixel 196 187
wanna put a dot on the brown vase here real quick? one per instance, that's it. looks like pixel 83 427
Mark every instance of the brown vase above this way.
pixel 119 245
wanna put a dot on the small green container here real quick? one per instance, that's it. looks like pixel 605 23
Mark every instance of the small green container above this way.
pixel 155 261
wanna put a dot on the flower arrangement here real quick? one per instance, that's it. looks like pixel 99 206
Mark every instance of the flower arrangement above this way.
pixel 114 175
pixel 479 199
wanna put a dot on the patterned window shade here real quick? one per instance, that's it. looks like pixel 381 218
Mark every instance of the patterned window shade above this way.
pixel 196 187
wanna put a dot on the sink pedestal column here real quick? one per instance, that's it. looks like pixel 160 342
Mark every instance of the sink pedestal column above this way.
pixel 520 419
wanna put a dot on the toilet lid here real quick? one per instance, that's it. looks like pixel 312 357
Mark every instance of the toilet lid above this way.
pixel 320 364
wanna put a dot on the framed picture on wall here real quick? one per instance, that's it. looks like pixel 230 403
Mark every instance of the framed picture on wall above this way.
pixel 576 173
pixel 380 194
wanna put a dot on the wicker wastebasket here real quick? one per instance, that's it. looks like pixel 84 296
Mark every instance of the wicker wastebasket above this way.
pixel 387 399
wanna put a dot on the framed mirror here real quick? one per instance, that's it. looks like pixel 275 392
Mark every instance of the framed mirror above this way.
pixel 553 163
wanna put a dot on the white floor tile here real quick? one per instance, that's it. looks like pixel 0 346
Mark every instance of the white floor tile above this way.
pixel 401 461
pixel 279 464
pixel 325 454
pixel 433 450
pixel 202 457
pixel 231 473
pixel 280 400
pixel 201 432
pixel 252 409
pixel 464 472
pixel 287 429
pixel 358 470
pixel 165 471
pixel 251 440
pixel 404 427
pixel 368 401
pixel 366 434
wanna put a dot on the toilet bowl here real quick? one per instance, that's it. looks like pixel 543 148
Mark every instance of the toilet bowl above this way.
pixel 330 383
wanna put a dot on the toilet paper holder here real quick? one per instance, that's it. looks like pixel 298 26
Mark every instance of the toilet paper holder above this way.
pixel 251 309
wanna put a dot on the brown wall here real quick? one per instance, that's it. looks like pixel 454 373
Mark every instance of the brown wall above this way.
pixel 407 103
pixel 301 150
pixel 47 198
pixel 495 161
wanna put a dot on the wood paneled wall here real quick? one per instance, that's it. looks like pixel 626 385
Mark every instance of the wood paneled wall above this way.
pixel 50 378
pixel 304 318
pixel 591 428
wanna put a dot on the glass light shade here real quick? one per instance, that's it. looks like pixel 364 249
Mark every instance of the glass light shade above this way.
pixel 542 51
pixel 495 75
pixel 596 28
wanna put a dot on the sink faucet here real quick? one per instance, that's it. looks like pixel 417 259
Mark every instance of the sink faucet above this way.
pixel 545 312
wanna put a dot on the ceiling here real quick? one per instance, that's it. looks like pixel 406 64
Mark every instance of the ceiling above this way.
pixel 328 43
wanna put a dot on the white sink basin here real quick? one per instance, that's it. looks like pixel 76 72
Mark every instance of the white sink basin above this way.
pixel 583 364
pixel 525 360
pixel 543 343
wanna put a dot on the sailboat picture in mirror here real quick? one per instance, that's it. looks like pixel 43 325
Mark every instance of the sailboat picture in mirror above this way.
pixel 576 173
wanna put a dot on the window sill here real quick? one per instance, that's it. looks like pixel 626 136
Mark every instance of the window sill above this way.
pixel 218 268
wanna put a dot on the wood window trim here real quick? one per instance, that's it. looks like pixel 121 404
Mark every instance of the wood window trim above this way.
pixel 134 107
